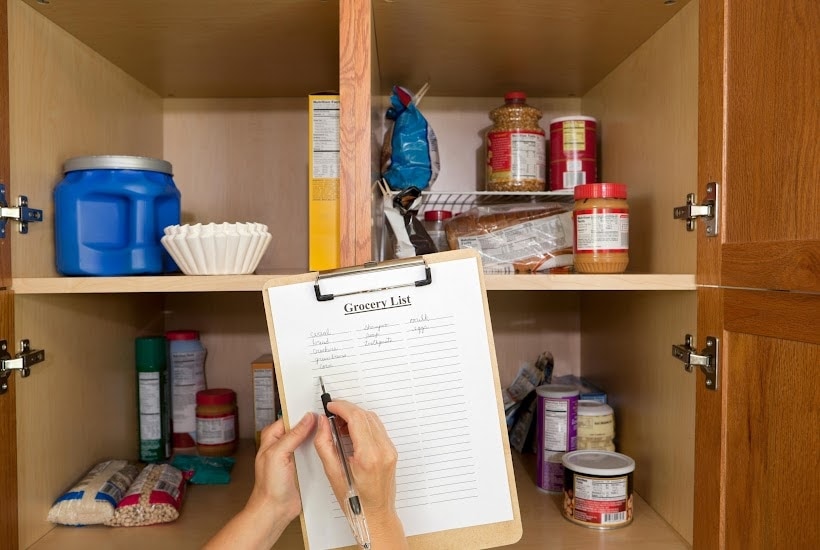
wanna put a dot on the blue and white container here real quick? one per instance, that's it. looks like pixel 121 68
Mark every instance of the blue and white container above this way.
pixel 109 216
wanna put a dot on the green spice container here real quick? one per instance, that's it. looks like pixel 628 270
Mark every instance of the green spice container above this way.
pixel 153 399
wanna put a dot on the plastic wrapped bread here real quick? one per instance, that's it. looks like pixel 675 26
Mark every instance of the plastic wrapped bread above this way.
pixel 518 238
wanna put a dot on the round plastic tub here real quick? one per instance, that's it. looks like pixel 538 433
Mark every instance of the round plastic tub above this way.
pixel 109 216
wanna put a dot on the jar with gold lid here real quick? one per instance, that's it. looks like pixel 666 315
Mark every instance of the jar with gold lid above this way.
pixel 601 220
pixel 516 147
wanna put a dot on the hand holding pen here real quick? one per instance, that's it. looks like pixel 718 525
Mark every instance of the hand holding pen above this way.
pixel 371 467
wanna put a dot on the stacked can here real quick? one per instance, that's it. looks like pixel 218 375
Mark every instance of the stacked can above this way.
pixel 573 152
pixel 557 427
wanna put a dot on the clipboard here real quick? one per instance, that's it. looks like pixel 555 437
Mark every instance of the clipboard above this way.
pixel 411 340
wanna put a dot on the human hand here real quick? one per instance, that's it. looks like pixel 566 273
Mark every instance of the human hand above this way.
pixel 372 464
pixel 275 487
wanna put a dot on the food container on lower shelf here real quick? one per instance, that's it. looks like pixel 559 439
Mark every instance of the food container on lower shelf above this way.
pixel 598 489
pixel 217 248
pixel 109 215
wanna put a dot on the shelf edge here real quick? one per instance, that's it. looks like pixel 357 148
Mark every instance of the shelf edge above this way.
pixel 254 283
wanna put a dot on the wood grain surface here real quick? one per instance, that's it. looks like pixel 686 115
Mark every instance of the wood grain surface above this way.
pixel 8 433
pixel 354 89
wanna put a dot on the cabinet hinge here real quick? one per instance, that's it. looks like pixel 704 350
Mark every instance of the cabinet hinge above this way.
pixel 707 359
pixel 709 210
pixel 21 213
pixel 22 362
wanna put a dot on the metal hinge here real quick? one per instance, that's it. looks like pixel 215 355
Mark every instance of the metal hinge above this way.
pixel 707 359
pixel 21 213
pixel 709 210
pixel 22 362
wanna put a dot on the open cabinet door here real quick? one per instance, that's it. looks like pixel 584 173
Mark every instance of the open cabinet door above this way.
pixel 757 441
pixel 8 414
pixel 8 437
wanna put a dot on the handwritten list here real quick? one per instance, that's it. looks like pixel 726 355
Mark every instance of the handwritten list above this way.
pixel 419 358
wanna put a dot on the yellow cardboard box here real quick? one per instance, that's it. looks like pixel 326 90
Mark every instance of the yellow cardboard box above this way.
pixel 323 182
pixel 265 394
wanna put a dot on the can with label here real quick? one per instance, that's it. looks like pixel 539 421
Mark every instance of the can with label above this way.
pixel 153 399
pixel 598 489
pixel 556 432
pixel 573 152
pixel 596 426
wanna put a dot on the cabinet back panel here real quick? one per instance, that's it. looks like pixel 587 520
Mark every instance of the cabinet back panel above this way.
pixel 460 125
pixel 647 109
pixel 79 406
pixel 525 324
pixel 523 327
pixel 234 337
pixel 244 160
pixel 65 101
pixel 625 349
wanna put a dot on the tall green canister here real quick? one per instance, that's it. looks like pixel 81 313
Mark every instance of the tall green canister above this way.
pixel 153 399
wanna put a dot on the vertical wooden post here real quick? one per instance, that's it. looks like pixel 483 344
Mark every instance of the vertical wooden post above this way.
pixel 354 90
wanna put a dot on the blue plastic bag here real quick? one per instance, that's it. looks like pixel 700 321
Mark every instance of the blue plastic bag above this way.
pixel 410 152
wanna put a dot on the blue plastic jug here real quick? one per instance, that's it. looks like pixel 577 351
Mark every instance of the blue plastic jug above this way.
pixel 109 216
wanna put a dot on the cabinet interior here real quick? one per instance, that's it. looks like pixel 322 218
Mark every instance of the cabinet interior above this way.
pixel 236 135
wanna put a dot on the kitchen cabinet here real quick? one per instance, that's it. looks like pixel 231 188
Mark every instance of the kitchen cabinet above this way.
pixel 686 93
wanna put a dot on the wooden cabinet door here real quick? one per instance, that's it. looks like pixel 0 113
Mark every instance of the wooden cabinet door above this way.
pixel 758 436
pixel 8 415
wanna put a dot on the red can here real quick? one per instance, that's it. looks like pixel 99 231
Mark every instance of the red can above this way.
pixel 573 152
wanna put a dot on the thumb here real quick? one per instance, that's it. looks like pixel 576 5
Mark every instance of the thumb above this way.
pixel 329 456
pixel 298 434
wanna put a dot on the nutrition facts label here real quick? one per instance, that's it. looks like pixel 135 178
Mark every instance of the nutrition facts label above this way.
pixel 325 139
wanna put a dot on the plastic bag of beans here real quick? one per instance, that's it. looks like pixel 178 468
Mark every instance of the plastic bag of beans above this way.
pixel 154 497
pixel 93 499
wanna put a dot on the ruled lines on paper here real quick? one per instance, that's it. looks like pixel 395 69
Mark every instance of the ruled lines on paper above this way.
pixel 408 371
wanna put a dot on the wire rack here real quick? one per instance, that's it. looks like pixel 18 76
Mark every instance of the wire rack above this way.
pixel 459 201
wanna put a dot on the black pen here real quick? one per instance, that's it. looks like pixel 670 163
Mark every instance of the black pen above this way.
pixel 354 513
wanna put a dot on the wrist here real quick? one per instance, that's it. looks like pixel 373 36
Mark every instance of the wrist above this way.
pixel 266 513
pixel 384 522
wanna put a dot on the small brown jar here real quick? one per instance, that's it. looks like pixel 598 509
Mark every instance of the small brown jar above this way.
pixel 601 220
pixel 217 422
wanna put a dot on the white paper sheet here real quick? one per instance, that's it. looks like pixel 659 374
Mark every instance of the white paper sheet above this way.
pixel 418 357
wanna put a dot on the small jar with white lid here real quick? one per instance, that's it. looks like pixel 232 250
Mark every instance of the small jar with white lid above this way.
pixel 596 426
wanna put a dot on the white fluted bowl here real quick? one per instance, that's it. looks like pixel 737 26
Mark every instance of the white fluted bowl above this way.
pixel 217 248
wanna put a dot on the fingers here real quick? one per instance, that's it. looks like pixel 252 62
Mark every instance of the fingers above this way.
pixel 357 419
pixel 271 434
pixel 366 430
pixel 288 442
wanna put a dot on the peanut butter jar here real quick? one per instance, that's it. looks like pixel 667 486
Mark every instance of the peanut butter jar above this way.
pixel 601 221
pixel 217 426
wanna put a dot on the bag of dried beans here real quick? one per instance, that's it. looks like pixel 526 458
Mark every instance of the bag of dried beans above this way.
pixel 154 497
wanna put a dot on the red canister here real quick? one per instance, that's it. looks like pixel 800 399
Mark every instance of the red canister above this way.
pixel 573 152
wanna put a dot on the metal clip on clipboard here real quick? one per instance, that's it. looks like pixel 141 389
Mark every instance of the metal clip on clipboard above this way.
pixel 371 267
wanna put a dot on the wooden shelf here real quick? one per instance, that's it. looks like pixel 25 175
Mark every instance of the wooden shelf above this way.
pixel 625 281
pixel 207 508
pixel 254 283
